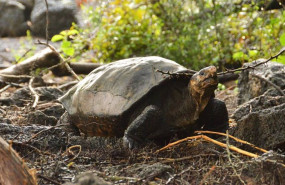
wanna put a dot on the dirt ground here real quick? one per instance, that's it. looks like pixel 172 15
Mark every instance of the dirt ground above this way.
pixel 59 155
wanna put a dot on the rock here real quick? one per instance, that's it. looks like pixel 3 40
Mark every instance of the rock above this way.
pixel 149 171
pixel 61 15
pixel 251 87
pixel 263 127
pixel 12 19
pixel 29 4
pixel 266 169
pixel 258 104
pixel 88 178
pixel 21 96
pixel 39 118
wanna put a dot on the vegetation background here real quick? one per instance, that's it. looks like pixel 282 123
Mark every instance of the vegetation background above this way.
pixel 194 33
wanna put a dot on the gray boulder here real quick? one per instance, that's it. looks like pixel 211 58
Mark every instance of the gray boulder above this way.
pixel 251 87
pixel 261 115
pixel 12 19
pixel 61 15
pixel 261 121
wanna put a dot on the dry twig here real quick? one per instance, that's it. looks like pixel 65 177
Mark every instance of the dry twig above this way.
pixel 236 139
pixel 35 94
pixel 207 174
pixel 212 141
pixel 68 151
pixel 230 160
pixel 62 60
pixel 5 88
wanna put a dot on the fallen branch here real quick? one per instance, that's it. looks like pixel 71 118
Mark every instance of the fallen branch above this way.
pixel 236 139
pixel 270 83
pixel 13 170
pixel 21 72
pixel 212 141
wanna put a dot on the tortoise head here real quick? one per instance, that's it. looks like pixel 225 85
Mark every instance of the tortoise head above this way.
pixel 204 82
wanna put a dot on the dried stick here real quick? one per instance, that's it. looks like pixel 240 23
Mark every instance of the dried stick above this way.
pixel 5 88
pixel 177 142
pixel 170 160
pixel 62 59
pixel 212 141
pixel 24 55
pixel 38 133
pixel 236 139
pixel 69 151
pixel 270 83
pixel 230 160
pixel 35 94
pixel 15 76
pixel 207 174
pixel 255 65
pixel 48 179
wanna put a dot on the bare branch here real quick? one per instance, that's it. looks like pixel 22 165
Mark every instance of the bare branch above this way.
pixel 255 65
pixel 62 60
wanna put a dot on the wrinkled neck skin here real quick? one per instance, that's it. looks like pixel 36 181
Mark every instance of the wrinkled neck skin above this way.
pixel 201 98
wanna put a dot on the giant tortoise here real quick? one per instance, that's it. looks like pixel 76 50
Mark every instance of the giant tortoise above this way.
pixel 130 98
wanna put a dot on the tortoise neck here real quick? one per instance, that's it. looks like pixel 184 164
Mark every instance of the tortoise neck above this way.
pixel 201 98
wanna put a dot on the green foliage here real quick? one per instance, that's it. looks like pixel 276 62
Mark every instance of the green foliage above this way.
pixel 194 33
pixel 221 87
pixel 282 39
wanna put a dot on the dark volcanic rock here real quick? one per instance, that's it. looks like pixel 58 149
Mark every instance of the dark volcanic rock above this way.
pixel 61 15
pixel 251 87
pixel 12 18
pixel 21 96
pixel 264 128
pixel 39 118
pixel 261 117
pixel 257 104
pixel 266 169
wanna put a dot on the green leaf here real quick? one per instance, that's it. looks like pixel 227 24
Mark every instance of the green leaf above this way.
pixel 281 59
pixel 72 32
pixel 252 53
pixel 240 56
pixel 57 38
pixel 282 39
pixel 67 48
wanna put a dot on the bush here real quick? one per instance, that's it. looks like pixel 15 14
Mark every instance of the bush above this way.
pixel 192 33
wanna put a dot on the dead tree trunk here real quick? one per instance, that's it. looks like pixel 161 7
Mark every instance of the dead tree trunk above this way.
pixel 13 170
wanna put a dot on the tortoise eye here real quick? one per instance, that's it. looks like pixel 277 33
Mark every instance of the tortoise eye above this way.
pixel 202 73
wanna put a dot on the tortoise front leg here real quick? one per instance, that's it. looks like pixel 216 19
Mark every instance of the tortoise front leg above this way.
pixel 143 126
pixel 215 116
